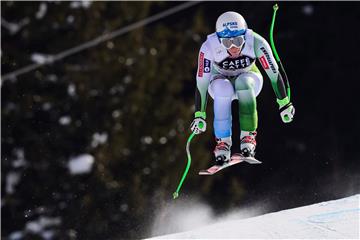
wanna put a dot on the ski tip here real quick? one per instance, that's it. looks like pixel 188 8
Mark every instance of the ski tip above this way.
pixel 240 157
pixel 252 161
pixel 204 172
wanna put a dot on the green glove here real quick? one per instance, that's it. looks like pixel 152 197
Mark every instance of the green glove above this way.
pixel 198 125
pixel 287 110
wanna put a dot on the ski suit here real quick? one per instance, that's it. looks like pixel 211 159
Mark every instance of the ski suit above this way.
pixel 225 79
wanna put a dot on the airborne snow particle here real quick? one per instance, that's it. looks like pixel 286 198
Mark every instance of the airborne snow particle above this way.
pixel 41 58
pixel 81 164
pixel 71 89
pixel 142 51
pixel 110 45
pixel 147 140
pixel 127 79
pixel 98 139
pixel 129 61
pixel 65 120
pixel 116 113
pixel 42 11
pixel 12 179
pixel 147 171
pixel 70 19
pixel 80 4
pixel 153 51
pixel 308 10
pixel 46 106
pixel 172 133
pixel 18 235
pixel 163 140
pixel 124 207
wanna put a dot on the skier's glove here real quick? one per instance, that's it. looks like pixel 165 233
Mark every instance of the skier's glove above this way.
pixel 287 110
pixel 198 125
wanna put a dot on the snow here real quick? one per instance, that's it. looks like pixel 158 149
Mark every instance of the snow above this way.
pixel 42 11
pixel 70 19
pixel 20 158
pixel 124 207
pixel 79 4
pixel 71 90
pixel 41 226
pixel 163 140
pixel 127 79
pixel 142 51
pixel 13 28
pixel 12 179
pixel 308 10
pixel 129 61
pixel 146 140
pixel 332 219
pixel 146 170
pixel 81 164
pixel 16 235
pixel 110 45
pixel 116 113
pixel 41 58
pixel 99 139
pixel 153 51
pixel 172 133
pixel 117 89
pixel 65 120
pixel 52 77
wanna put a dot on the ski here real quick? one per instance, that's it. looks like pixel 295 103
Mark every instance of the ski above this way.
pixel 235 159
pixel 251 160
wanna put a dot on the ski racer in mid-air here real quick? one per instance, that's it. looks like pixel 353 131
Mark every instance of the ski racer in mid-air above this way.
pixel 227 71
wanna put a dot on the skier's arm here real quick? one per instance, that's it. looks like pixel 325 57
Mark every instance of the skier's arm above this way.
pixel 202 80
pixel 265 56
pixel 203 75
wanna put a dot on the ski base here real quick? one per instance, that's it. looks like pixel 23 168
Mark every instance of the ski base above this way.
pixel 235 159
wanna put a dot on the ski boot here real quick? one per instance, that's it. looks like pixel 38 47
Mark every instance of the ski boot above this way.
pixel 222 150
pixel 248 143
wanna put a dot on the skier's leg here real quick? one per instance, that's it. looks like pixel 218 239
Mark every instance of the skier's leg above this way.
pixel 223 92
pixel 248 86
pixel 245 92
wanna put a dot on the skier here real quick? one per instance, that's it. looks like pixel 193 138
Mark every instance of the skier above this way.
pixel 227 71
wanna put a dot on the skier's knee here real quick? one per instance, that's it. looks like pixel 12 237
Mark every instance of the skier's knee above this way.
pixel 222 88
pixel 246 95
pixel 244 83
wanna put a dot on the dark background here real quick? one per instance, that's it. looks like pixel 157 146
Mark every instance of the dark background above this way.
pixel 138 90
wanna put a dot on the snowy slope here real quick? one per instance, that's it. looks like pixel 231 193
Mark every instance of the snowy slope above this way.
pixel 333 219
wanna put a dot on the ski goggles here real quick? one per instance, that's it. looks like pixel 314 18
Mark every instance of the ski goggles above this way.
pixel 236 41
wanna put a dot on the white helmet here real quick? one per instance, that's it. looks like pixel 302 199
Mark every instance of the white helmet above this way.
pixel 230 24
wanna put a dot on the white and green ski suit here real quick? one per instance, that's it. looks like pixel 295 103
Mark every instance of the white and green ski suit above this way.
pixel 225 79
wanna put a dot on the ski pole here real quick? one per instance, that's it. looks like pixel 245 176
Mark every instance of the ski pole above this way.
pixel 276 7
pixel 176 193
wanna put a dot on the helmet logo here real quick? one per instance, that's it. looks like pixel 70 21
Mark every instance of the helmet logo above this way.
pixel 230 24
